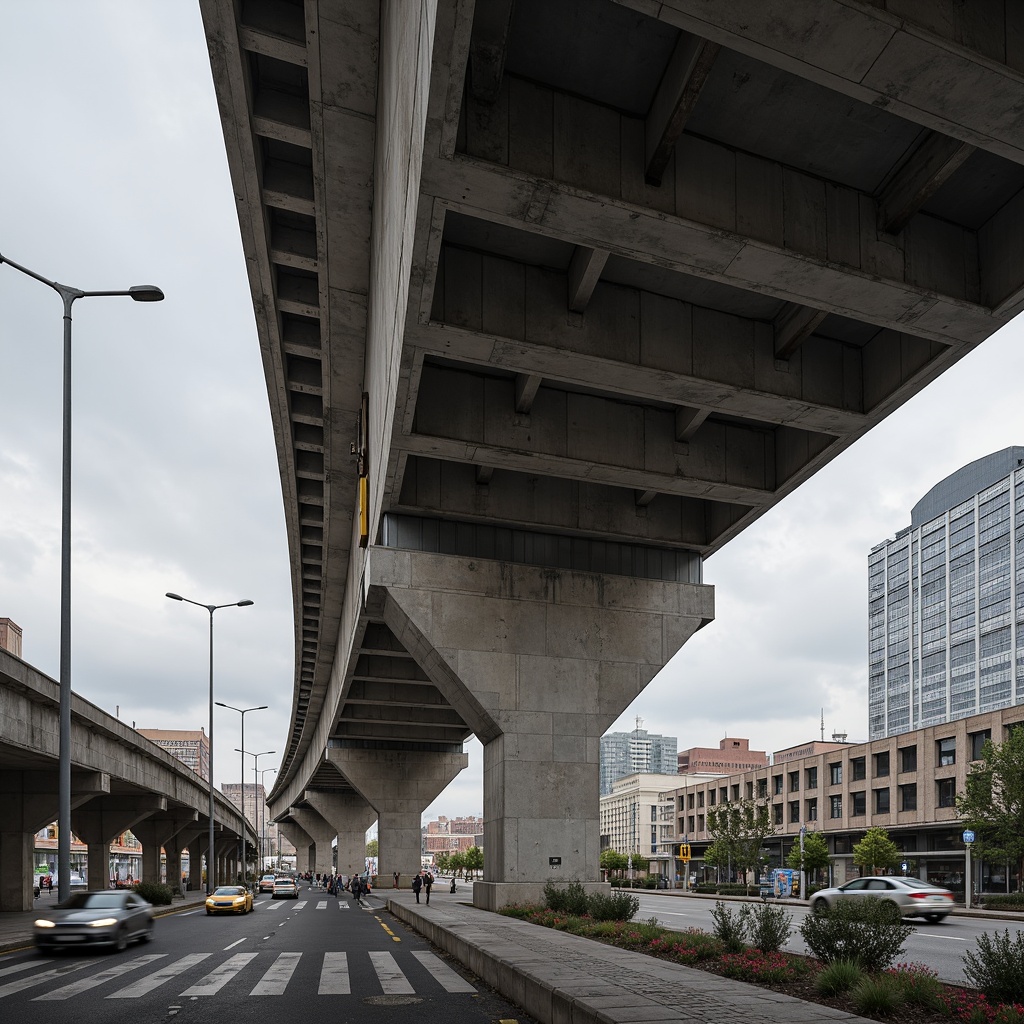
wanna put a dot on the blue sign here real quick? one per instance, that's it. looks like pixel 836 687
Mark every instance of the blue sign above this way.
pixel 968 836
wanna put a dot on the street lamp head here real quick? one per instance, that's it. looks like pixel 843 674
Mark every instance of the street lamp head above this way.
pixel 175 597
pixel 245 603
pixel 145 293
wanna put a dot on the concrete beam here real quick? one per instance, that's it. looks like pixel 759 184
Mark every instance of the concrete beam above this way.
pixel 793 326
pixel 584 272
pixel 350 816
pixel 299 838
pixel 491 21
pixel 688 422
pixel 687 71
pixel 156 832
pixel 526 391
pixel 322 834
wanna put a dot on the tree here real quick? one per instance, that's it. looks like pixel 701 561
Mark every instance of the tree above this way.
pixel 816 856
pixel 876 851
pixel 372 848
pixel 474 859
pixel 741 826
pixel 992 804
pixel 612 860
pixel 457 862
pixel 441 862
pixel 717 856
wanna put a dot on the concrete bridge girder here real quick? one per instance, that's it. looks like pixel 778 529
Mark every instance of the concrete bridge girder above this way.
pixel 350 816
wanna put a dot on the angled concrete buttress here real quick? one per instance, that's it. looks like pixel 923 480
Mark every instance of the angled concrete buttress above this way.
pixel 350 816
pixel 300 839
pixel 99 822
pixel 539 662
pixel 401 785
pixel 322 834
pixel 183 840
pixel 28 802
pixel 156 832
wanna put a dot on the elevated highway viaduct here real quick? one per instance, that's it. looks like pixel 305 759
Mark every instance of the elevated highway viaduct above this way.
pixel 556 297
pixel 120 781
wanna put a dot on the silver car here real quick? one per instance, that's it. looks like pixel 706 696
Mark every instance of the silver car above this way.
pixel 111 917
pixel 913 897
pixel 284 887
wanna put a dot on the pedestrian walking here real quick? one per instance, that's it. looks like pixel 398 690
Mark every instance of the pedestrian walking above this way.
pixel 428 881
pixel 417 884
pixel 49 884
pixel 453 882
pixel 396 880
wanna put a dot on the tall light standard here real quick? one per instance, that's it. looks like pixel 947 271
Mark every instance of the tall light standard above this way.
pixel 211 608
pixel 241 831
pixel 140 293
pixel 255 782
pixel 263 819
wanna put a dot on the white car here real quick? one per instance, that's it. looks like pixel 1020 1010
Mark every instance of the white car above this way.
pixel 911 896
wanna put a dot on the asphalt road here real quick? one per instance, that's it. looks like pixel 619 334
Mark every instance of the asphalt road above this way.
pixel 318 958
pixel 939 946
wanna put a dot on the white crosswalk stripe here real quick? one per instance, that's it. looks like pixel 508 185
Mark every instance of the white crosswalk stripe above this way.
pixel 273 905
pixel 94 981
pixel 275 981
pixel 41 979
pixel 392 981
pixel 155 980
pixel 334 975
pixel 448 979
pixel 300 904
pixel 321 905
pixel 220 976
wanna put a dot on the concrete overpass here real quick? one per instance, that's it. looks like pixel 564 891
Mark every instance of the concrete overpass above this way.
pixel 119 781
pixel 554 299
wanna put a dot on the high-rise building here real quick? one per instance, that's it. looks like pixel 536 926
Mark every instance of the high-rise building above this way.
pixel 625 753
pixel 946 603
pixel 258 813
pixel 191 746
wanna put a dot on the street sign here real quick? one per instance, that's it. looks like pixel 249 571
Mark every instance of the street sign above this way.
pixel 968 836
pixel 903 867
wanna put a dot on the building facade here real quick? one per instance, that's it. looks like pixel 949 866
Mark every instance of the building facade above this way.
pixel 10 637
pixel 945 603
pixel 190 746
pixel 452 835
pixel 256 811
pixel 733 754
pixel 625 753
pixel 906 784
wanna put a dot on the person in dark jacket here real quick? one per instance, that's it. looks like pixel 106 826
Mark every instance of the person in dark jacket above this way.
pixel 417 884
pixel 428 881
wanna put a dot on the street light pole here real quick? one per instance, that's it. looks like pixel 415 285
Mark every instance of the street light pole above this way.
pixel 241 832
pixel 140 293
pixel 211 608
pixel 255 783
pixel 263 819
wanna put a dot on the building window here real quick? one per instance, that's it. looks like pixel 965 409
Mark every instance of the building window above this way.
pixel 908 797
pixel 736 791
pixel 700 798
pixel 689 824
pixel 835 773
pixel 835 806
pixel 654 812
pixel 812 810
pixel 881 764
pixel 881 801
pixel 777 785
pixel 777 813
pixel 946 792
pixel 858 804
pixel 794 782
pixel 794 812
pixel 858 770
pixel 723 794
pixel 689 802
pixel 750 791
pixel 700 822
pixel 908 759
pixel 946 751
pixel 762 789
pixel 811 780
pixel 711 798
pixel 978 741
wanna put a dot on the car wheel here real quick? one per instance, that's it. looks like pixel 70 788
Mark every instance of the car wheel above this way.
pixel 934 918
pixel 819 907
pixel 209 912
pixel 147 935
pixel 121 941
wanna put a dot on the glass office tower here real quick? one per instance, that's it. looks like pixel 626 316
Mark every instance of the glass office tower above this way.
pixel 945 600
pixel 625 753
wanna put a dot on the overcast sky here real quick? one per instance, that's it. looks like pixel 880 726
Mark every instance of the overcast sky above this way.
pixel 114 174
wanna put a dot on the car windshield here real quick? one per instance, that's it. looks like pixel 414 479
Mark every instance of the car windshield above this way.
pixel 268 878
pixel 229 890
pixel 287 882
pixel 92 901
pixel 915 883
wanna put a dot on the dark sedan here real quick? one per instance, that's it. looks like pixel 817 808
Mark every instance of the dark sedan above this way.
pixel 108 918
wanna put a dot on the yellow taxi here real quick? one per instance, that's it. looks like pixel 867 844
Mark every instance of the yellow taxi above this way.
pixel 229 899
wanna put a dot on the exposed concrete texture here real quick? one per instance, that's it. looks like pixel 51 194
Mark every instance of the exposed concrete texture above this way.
pixel 321 833
pixel 173 849
pixel 350 816
pixel 17 850
pixel 299 838
pixel 101 821
pixel 155 833
pixel 540 663
pixel 400 785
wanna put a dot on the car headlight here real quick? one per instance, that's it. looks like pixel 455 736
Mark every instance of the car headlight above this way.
pixel 45 924
pixel 103 922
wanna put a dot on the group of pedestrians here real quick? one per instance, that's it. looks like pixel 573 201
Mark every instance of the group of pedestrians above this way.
pixel 336 884
pixel 422 883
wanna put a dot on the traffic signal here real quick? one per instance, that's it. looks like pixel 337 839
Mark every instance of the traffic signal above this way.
pixel 684 851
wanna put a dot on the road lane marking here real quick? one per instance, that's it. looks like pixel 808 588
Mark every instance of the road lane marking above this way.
pixel 321 905
pixel 392 981
pixel 275 981
pixel 237 942
pixel 220 976
pixel 300 904
pixel 141 988
pixel 84 984
pixel 448 979
pixel 41 979
pixel 394 937
pixel 334 979
pixel 18 967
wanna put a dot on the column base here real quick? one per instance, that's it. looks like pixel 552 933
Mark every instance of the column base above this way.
pixel 495 895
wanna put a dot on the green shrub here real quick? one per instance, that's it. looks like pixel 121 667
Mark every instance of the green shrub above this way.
pixel 730 925
pixel 156 893
pixel 732 889
pixel 704 946
pixel 838 977
pixel 919 985
pixel 877 996
pixel 1007 901
pixel 868 931
pixel 769 927
pixel 708 889
pixel 521 911
pixel 570 900
pixel 619 906
pixel 650 883
pixel 997 966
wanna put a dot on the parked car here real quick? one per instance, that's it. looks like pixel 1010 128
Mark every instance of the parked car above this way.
pixel 106 918
pixel 911 896
pixel 229 899
pixel 285 887
pixel 267 883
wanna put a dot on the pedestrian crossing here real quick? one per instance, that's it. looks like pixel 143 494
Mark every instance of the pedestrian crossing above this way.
pixel 256 974
pixel 320 905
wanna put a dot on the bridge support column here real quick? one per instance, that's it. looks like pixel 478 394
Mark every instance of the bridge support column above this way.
pixel 156 832
pixel 350 815
pixel 539 662
pixel 173 849
pixel 321 834
pixel 101 821
pixel 401 785
pixel 299 838
pixel 226 858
